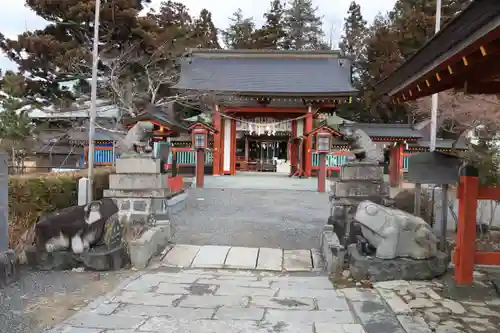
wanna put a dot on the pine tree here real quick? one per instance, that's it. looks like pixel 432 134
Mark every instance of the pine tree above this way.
pixel 353 41
pixel 241 32
pixel 303 26
pixel 272 33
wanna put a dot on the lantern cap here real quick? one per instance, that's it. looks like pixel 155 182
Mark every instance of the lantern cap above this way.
pixel 324 129
pixel 202 125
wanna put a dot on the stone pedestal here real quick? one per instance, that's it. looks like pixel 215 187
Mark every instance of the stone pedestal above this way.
pixel 357 181
pixel 369 267
pixel 140 190
pixel 143 197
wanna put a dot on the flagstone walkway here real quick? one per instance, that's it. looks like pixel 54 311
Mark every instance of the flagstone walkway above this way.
pixel 204 301
pixel 235 257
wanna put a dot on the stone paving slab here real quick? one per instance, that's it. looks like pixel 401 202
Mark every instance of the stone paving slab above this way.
pixel 242 258
pixel 211 256
pixel 221 300
pixel 215 301
pixel 270 259
pixel 421 308
pixel 181 255
pixel 297 260
pixel 249 258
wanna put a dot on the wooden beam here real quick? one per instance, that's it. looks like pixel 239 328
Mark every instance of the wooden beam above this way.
pixel 453 72
pixel 251 109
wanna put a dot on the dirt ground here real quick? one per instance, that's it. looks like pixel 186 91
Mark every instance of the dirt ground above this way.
pixel 40 300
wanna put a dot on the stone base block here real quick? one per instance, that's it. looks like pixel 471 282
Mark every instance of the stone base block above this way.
pixel 365 267
pixel 137 181
pixel 143 209
pixel 96 259
pixel 361 171
pixel 135 165
pixel 149 244
pixel 177 203
pixel 139 193
pixel 58 260
pixel 331 250
pixel 8 270
pixel 105 259
pixel 348 189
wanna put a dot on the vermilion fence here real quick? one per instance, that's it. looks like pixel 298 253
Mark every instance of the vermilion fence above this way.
pixel 187 157
pixel 465 255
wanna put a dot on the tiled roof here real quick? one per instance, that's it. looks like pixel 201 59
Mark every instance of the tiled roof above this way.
pixel 386 130
pixel 302 74
pixel 444 143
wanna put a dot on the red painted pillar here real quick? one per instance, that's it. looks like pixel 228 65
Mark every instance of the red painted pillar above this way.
pixel 200 168
pixel 322 173
pixel 308 127
pixel 465 249
pixel 395 165
pixel 217 162
pixel 233 148
pixel 293 149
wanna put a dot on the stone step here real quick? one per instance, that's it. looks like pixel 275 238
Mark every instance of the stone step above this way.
pixel 248 258
pixel 357 189
pixel 362 171
pixel 137 181
pixel 135 165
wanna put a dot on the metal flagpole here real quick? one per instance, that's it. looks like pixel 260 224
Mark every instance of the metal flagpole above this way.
pixel 434 107
pixel 93 106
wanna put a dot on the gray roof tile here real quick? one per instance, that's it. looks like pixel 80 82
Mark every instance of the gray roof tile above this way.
pixel 444 143
pixel 387 130
pixel 306 76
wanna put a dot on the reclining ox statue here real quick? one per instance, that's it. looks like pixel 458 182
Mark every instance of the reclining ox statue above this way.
pixel 76 228
pixel 395 233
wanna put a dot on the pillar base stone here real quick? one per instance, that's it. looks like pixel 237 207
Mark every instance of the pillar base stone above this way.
pixel 8 269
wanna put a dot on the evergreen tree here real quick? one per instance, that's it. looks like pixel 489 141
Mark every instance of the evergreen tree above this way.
pixel 382 58
pixel 207 31
pixel 272 33
pixel 241 32
pixel 303 26
pixel 414 21
pixel 135 49
pixel 353 41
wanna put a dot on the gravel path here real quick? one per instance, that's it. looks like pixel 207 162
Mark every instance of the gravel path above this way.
pixel 41 299
pixel 287 219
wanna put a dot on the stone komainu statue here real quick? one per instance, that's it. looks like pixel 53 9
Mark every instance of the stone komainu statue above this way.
pixel 362 146
pixel 138 136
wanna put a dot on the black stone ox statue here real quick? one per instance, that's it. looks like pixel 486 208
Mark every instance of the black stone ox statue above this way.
pixel 76 228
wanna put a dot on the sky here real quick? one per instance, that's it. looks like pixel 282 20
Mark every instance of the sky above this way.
pixel 15 18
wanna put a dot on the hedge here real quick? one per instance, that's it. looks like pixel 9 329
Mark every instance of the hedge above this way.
pixel 33 195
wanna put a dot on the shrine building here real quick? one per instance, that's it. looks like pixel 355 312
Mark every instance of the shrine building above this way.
pixel 267 105
pixel 264 102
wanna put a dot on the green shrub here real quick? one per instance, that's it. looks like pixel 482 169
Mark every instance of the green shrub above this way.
pixel 33 195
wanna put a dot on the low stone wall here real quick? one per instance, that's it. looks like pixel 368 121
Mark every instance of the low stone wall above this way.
pixel 333 253
pixel 149 244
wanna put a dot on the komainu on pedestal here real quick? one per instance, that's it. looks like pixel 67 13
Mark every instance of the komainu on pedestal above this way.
pixel 375 241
